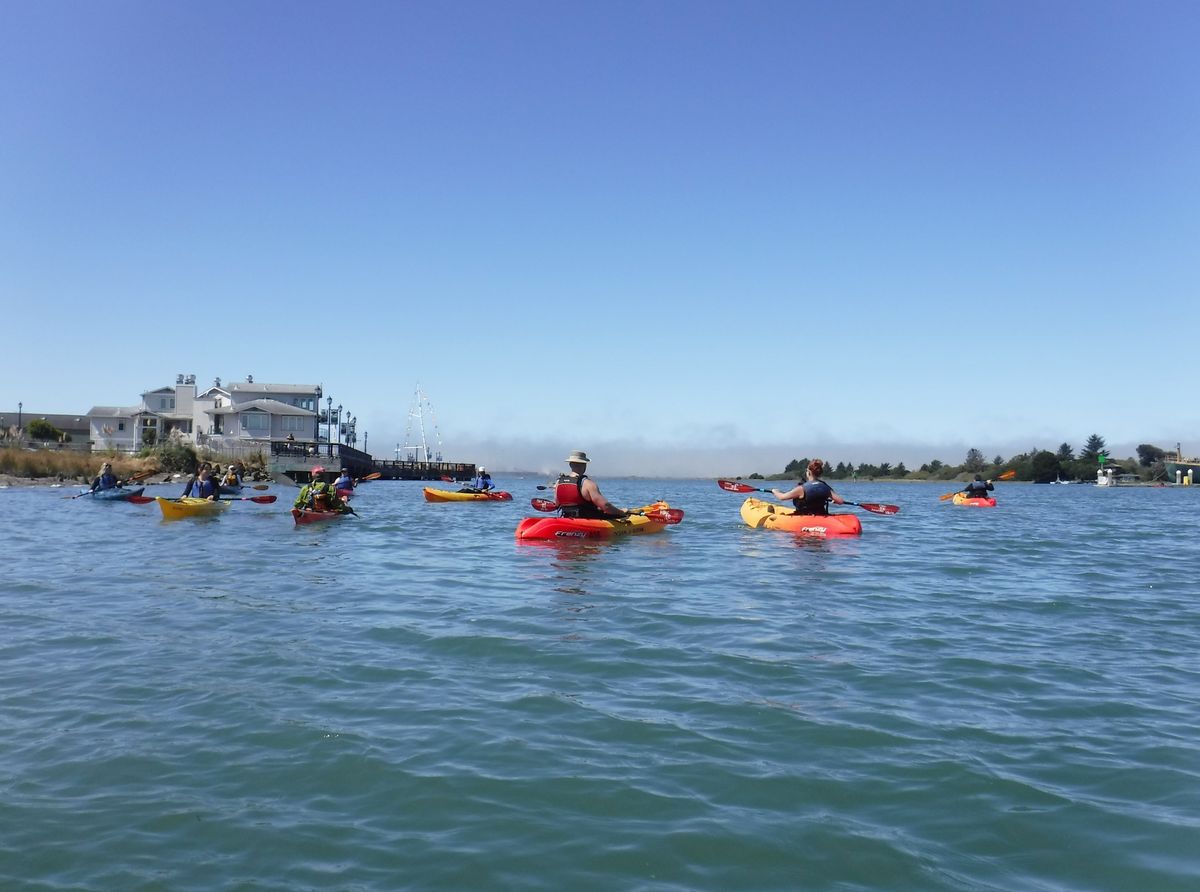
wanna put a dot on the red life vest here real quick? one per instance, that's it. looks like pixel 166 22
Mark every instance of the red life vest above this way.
pixel 569 495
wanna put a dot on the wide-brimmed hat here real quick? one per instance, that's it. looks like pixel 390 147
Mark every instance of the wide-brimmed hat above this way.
pixel 577 457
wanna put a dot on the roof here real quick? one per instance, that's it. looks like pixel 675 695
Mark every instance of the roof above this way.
pixel 113 411
pixel 159 390
pixel 246 387
pixel 274 407
pixel 78 421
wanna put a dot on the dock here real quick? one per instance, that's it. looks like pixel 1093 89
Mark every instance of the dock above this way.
pixel 295 459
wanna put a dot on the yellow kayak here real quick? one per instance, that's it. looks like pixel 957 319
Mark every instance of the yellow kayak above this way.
pixel 768 516
pixel 443 495
pixel 177 509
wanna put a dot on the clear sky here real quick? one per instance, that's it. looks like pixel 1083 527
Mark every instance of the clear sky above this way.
pixel 679 235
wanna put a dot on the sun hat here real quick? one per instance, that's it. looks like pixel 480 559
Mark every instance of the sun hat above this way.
pixel 482 469
pixel 577 457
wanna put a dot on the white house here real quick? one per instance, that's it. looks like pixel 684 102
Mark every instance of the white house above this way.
pixel 228 418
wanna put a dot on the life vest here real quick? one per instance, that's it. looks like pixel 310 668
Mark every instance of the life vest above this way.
pixel 202 488
pixel 977 489
pixel 817 494
pixel 318 496
pixel 106 481
pixel 569 495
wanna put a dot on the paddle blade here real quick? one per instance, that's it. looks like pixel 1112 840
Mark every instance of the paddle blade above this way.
pixel 948 495
pixel 664 515
pixel 733 486
pixel 1007 475
pixel 141 475
pixel 262 500
pixel 876 508
pixel 140 500
pixel 446 479
pixel 260 486
pixel 543 504
pixel 374 476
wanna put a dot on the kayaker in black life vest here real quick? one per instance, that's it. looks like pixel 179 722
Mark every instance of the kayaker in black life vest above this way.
pixel 978 488
pixel 578 496
pixel 812 496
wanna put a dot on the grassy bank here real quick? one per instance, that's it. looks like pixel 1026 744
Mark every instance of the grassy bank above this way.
pixel 68 465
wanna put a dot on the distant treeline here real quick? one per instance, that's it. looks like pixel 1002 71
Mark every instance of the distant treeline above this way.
pixel 1037 466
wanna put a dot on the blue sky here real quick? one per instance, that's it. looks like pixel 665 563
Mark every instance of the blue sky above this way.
pixel 687 234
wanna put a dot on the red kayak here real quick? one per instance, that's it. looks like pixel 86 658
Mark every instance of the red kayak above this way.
pixel 345 493
pixel 308 515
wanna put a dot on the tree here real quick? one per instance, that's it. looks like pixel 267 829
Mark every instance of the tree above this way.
pixel 1092 449
pixel 1065 453
pixel 1148 455
pixel 974 462
pixel 41 429
pixel 936 465
pixel 149 435
pixel 900 470
pixel 795 466
pixel 998 460
pixel 1045 467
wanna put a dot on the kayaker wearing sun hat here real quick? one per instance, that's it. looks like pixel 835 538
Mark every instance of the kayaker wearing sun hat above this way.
pixel 578 496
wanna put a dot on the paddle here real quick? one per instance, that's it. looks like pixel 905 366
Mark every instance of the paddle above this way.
pixel 141 475
pixel 374 476
pixel 1007 475
pixel 446 479
pixel 873 507
pixel 658 515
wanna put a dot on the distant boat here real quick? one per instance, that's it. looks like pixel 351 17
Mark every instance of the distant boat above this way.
pixel 1058 479
pixel 1179 468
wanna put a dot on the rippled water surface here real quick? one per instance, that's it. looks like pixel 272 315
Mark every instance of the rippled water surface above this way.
pixel 962 698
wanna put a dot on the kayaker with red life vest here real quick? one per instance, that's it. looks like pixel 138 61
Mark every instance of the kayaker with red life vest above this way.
pixel 202 485
pixel 814 494
pixel 578 495
pixel 978 488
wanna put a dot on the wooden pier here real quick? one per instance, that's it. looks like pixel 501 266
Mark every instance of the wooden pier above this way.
pixel 295 459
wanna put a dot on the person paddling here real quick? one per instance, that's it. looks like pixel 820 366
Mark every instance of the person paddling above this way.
pixel 344 481
pixel 978 488
pixel 482 481
pixel 106 479
pixel 814 494
pixel 202 485
pixel 319 495
pixel 578 495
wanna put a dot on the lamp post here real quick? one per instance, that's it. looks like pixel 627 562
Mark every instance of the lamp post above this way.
pixel 329 420
pixel 365 435
pixel 339 423
pixel 20 409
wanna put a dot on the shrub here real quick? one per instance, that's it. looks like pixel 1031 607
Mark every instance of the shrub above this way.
pixel 41 429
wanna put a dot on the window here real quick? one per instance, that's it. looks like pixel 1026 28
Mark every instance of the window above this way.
pixel 256 421
pixel 149 422
pixel 162 402
pixel 303 402
pixel 120 425
pixel 172 402
pixel 296 423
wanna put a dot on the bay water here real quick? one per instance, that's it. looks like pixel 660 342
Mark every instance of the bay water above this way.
pixel 961 699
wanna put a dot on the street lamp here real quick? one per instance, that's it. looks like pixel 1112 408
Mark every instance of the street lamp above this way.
pixel 20 408
pixel 339 423
pixel 328 419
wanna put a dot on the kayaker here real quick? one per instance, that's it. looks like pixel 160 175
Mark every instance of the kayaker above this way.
pixel 319 495
pixel 578 495
pixel 978 488
pixel 482 481
pixel 814 494
pixel 344 481
pixel 202 485
pixel 106 479
pixel 231 477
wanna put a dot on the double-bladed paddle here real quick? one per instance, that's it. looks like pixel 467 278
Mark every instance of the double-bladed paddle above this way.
pixel 666 516
pixel 1007 475
pixel 873 507
pixel 262 500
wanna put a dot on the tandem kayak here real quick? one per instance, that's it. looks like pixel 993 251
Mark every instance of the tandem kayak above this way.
pixel 442 495
pixel 308 515
pixel 590 528
pixel 115 494
pixel 768 516
pixel 961 498
pixel 177 509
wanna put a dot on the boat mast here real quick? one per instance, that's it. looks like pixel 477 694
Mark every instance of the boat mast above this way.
pixel 421 452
